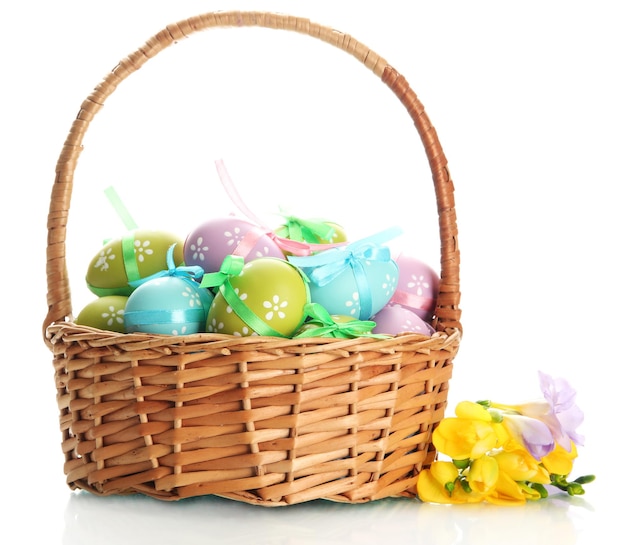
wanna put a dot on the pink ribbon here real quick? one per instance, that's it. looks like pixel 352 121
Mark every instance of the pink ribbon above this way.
pixel 251 238
pixel 412 300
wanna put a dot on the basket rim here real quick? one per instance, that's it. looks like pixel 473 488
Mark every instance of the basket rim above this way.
pixel 447 311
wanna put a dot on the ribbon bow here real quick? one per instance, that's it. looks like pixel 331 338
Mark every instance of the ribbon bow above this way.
pixel 324 267
pixel 326 326
pixel 186 272
pixel 231 266
pixel 305 230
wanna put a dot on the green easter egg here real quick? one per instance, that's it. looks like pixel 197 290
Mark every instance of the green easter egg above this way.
pixel 104 313
pixel 338 234
pixel 267 298
pixel 137 255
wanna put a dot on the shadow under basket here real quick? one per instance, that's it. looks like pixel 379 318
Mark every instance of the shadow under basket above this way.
pixel 262 420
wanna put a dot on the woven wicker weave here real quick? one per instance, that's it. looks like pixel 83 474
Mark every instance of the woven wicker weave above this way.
pixel 262 420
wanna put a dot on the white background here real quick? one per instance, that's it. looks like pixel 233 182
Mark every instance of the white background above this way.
pixel 528 101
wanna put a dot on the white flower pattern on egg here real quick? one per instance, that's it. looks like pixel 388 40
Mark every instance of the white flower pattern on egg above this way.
pixel 354 304
pixel 142 249
pixel 102 262
pixel 111 315
pixel 389 285
pixel 183 330
pixel 245 332
pixel 275 306
pixel 419 283
pixel 264 252
pixel 233 236
pixel 215 326
pixel 408 325
pixel 198 249
pixel 194 296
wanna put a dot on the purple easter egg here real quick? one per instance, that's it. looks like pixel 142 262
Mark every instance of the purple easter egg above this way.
pixel 418 286
pixel 208 244
pixel 395 319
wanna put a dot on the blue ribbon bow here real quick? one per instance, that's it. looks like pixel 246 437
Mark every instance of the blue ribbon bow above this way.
pixel 189 273
pixel 324 267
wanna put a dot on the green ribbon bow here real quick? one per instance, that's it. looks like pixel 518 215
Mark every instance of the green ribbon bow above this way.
pixel 326 326
pixel 302 230
pixel 231 266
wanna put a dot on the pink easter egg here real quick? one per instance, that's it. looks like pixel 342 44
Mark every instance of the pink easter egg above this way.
pixel 395 319
pixel 418 286
pixel 209 243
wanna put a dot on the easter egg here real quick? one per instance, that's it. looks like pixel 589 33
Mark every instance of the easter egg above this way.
pixel 137 255
pixel 351 284
pixel 312 231
pixel 168 305
pixel 418 286
pixel 209 243
pixel 338 234
pixel 266 298
pixel 105 312
pixel 395 319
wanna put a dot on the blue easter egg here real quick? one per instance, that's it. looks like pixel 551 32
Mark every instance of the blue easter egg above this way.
pixel 358 290
pixel 168 305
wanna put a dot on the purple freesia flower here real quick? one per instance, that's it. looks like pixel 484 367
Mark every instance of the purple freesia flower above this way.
pixel 530 432
pixel 558 411
pixel 564 416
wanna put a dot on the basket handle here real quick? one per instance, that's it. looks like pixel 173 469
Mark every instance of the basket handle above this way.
pixel 447 312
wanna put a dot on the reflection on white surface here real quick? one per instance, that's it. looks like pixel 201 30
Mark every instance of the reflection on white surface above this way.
pixel 120 520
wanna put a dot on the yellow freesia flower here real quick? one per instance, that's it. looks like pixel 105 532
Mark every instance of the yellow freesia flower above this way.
pixel 472 411
pixel 463 438
pixel 436 483
pixel 444 472
pixel 506 454
pixel 521 466
pixel 559 461
pixel 440 484
pixel 482 475
pixel 507 491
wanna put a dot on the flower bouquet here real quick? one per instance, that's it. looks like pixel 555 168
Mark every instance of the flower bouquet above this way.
pixel 507 454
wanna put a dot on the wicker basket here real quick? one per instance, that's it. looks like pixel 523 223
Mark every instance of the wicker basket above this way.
pixel 263 420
